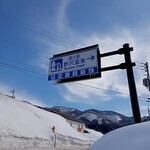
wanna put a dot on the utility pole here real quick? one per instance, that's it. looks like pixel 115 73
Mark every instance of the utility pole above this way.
pixel 13 93
pixel 148 107
pixel 146 81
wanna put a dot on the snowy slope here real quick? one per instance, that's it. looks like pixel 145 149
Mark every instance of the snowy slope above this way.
pixel 133 137
pixel 23 126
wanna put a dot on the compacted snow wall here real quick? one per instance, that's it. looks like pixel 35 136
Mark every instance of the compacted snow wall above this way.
pixel 23 143
pixel 25 127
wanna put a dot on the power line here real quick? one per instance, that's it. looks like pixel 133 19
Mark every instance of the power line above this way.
pixel 20 62
pixel 102 89
pixel 30 28
pixel 20 68
pixel 45 34
pixel 87 86
pixel 106 90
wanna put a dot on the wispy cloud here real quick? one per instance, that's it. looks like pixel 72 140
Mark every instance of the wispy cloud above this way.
pixel 25 96
pixel 5 89
pixel 144 110
pixel 114 80
pixel 21 95
pixel 111 81
pixel 61 19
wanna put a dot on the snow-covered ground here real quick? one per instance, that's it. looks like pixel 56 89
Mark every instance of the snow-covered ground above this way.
pixel 23 126
pixel 134 137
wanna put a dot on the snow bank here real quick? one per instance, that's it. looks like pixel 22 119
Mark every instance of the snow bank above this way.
pixel 134 137
pixel 23 126
pixel 93 135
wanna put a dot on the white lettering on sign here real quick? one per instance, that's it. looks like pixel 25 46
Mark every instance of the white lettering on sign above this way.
pixel 74 64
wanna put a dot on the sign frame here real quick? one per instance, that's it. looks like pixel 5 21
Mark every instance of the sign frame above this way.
pixel 58 58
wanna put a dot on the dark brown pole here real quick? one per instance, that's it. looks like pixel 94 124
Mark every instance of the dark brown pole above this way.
pixel 131 82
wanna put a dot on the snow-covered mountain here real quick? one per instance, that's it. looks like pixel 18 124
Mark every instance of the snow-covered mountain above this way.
pixel 72 111
pixel 103 121
pixel 24 126
pixel 108 116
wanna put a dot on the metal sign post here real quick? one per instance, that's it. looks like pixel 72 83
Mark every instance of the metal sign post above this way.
pixel 131 82
pixel 85 64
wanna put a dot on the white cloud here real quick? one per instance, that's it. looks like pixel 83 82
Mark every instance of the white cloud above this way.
pixel 25 96
pixel 5 89
pixel 61 19
pixel 20 95
pixel 113 80
pixel 144 110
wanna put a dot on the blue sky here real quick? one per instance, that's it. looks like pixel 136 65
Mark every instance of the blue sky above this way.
pixel 32 31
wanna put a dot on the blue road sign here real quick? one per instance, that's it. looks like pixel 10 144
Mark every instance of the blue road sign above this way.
pixel 74 64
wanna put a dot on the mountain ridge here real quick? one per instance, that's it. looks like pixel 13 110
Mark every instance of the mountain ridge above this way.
pixel 102 121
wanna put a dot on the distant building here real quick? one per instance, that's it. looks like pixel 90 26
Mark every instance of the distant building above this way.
pixel 76 123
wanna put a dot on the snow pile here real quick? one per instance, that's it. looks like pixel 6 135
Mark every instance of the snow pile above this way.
pixel 93 135
pixel 23 126
pixel 134 137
